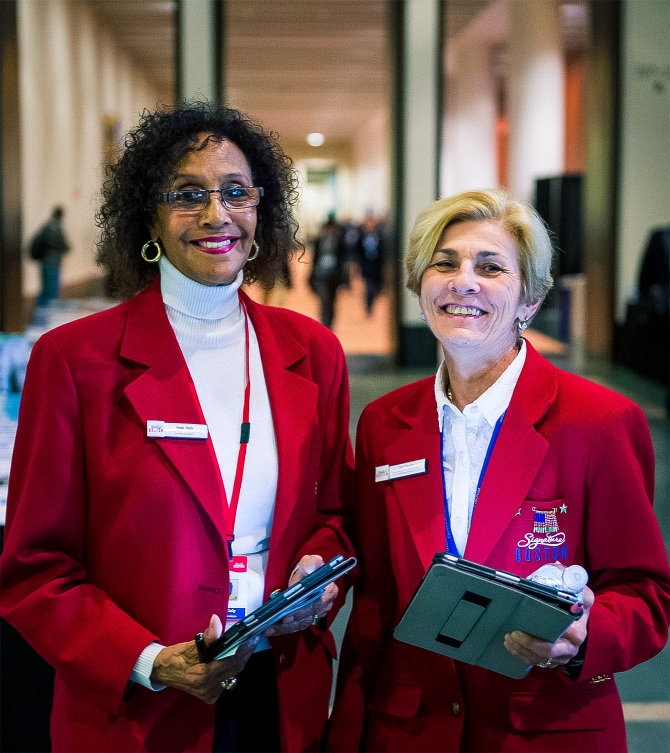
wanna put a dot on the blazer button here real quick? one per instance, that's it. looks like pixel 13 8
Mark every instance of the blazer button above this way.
pixel 282 658
pixel 455 708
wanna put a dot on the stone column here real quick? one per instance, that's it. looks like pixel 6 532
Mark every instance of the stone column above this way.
pixel 535 94
pixel 417 41
pixel 469 159
pixel 199 38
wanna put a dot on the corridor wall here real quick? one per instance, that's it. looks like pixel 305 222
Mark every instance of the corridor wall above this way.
pixel 76 86
pixel 644 200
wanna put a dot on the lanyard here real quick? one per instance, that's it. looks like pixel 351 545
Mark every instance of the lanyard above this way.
pixel 230 510
pixel 451 544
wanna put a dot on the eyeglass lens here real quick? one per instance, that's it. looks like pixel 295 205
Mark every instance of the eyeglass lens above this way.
pixel 237 197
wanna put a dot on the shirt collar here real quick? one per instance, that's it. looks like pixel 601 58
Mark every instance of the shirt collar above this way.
pixel 492 403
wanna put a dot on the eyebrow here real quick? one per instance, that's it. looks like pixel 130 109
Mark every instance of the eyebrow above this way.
pixel 199 179
pixel 451 253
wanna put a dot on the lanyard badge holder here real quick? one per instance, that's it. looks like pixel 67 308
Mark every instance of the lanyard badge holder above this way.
pixel 238 595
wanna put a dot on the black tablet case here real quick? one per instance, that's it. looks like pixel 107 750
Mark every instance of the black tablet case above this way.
pixel 278 606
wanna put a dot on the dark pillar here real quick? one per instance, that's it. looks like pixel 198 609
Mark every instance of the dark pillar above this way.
pixel 11 293
pixel 601 187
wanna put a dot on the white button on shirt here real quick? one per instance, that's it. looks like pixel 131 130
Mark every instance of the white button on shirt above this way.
pixel 465 440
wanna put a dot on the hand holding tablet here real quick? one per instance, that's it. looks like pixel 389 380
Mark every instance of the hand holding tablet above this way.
pixel 280 604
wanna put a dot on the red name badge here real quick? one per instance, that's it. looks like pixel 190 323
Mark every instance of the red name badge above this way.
pixel 238 564
pixel 239 588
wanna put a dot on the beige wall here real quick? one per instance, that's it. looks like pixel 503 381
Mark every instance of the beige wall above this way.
pixel 371 173
pixel 73 78
pixel 645 137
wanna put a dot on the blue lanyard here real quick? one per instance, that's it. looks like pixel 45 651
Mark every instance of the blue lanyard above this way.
pixel 451 544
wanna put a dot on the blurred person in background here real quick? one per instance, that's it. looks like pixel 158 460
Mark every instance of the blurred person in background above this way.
pixel 329 267
pixel 371 254
pixel 123 540
pixel 510 444
pixel 48 247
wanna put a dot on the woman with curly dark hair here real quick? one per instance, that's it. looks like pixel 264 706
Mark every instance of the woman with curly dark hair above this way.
pixel 180 457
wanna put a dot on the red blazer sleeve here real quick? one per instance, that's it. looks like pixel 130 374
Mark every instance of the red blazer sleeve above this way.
pixel 74 625
pixel 628 623
pixel 334 489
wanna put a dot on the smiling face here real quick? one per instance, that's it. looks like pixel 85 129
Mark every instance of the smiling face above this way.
pixel 470 292
pixel 212 245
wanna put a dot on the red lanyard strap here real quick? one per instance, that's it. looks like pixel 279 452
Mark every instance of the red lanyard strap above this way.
pixel 230 510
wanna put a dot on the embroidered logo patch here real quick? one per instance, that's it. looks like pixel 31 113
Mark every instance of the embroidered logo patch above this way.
pixel 546 541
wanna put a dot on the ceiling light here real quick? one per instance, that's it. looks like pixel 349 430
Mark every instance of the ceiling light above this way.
pixel 315 139
pixel 162 7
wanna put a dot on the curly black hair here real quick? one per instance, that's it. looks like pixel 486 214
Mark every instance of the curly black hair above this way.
pixel 152 153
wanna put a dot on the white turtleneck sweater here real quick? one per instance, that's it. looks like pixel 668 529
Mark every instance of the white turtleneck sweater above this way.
pixel 208 322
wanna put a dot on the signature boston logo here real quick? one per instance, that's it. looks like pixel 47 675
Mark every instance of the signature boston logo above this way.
pixel 546 536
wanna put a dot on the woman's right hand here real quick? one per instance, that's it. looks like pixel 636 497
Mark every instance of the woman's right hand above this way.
pixel 179 666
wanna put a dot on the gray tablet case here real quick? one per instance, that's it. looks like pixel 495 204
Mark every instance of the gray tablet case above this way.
pixel 463 610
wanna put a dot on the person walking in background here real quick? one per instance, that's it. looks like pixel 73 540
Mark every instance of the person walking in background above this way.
pixel 328 267
pixel 370 248
pixel 48 247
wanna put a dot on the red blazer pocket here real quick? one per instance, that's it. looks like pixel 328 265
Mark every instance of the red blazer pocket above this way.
pixel 556 712
pixel 396 699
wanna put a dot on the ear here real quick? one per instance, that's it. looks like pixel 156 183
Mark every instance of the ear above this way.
pixel 527 311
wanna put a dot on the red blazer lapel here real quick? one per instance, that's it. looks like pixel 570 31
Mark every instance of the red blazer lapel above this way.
pixel 293 400
pixel 421 497
pixel 165 392
pixel 516 458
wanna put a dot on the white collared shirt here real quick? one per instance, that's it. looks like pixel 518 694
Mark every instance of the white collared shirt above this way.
pixel 465 440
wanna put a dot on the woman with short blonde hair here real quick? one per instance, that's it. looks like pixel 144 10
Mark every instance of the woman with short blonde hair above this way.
pixel 520 220
pixel 495 449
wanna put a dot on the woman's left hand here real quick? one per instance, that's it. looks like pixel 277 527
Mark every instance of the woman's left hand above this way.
pixel 536 652
pixel 304 617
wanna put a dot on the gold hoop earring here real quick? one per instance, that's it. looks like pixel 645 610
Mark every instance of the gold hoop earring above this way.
pixel 158 252
pixel 256 249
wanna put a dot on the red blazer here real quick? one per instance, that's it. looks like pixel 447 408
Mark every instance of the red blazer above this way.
pixel 566 445
pixel 114 540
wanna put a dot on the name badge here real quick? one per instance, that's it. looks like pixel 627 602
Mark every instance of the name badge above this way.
pixel 239 590
pixel 165 430
pixel 391 472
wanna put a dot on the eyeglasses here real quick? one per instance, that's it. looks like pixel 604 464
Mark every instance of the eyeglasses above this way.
pixel 197 199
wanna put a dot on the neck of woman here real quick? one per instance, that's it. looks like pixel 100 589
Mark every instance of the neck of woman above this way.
pixel 465 380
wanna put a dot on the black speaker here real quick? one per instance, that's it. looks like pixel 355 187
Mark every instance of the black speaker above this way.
pixel 558 201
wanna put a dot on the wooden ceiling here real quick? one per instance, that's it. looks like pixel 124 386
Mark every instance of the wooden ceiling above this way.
pixel 308 65
pixel 296 65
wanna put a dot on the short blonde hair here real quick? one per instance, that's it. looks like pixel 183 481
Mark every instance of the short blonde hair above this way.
pixel 520 220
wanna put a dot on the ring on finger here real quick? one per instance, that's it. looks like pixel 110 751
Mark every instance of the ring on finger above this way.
pixel 544 664
pixel 316 619
pixel 229 683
